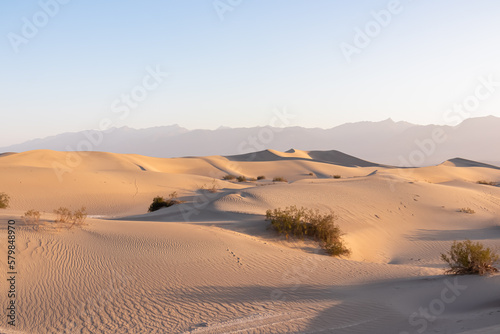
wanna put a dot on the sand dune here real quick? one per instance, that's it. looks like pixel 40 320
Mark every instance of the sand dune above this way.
pixel 334 157
pixel 211 265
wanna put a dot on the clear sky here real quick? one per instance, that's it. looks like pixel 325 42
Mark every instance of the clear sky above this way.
pixel 65 65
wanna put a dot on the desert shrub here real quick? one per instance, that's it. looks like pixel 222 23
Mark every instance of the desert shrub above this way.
pixel 311 174
pixel 229 177
pixel 213 188
pixel 64 215
pixel 241 179
pixel 279 179
pixel 79 217
pixel 466 258
pixel 467 210
pixel 261 177
pixel 32 217
pixel 488 183
pixel 302 222
pixel 4 201
pixel 70 219
pixel 252 179
pixel 160 202
pixel 336 176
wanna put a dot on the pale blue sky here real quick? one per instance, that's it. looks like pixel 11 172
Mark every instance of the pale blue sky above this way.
pixel 72 72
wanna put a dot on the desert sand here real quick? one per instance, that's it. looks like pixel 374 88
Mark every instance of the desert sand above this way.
pixel 212 265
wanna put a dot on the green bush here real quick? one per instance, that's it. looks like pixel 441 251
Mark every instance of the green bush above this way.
pixel 229 177
pixel 4 201
pixel 261 177
pixel 241 179
pixel 302 222
pixel 279 179
pixel 466 257
pixel 160 202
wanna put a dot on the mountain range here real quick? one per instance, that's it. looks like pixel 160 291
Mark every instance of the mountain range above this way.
pixel 386 142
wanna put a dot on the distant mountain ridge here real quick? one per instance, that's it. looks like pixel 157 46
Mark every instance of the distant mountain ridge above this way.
pixel 385 142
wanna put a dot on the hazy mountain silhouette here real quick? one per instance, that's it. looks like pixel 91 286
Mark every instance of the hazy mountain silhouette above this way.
pixel 385 142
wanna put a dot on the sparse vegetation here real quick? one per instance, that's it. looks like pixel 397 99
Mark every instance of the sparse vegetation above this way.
pixel 63 215
pixel 79 217
pixel 65 218
pixel 467 257
pixel 279 179
pixel 467 210
pixel 252 179
pixel 241 179
pixel 32 217
pixel 160 202
pixel 311 174
pixel 261 177
pixel 229 177
pixel 302 222
pixel 336 176
pixel 488 183
pixel 70 219
pixel 213 188
pixel 4 201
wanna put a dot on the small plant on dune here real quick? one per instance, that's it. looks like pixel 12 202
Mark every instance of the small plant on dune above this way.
pixel 252 179
pixel 261 177
pixel 279 179
pixel 213 188
pixel 4 201
pixel 488 183
pixel 79 217
pixel 336 176
pixel 66 218
pixel 311 174
pixel 64 215
pixel 32 217
pixel 160 202
pixel 229 177
pixel 467 210
pixel 302 222
pixel 467 257
pixel 241 179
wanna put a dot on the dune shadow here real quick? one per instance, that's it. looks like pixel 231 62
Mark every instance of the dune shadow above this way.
pixel 451 235
pixel 273 300
pixel 142 168
pixel 460 162
pixel 328 157
pixel 303 307
pixel 306 308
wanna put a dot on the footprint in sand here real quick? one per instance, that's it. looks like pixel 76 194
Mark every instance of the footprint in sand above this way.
pixel 238 260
